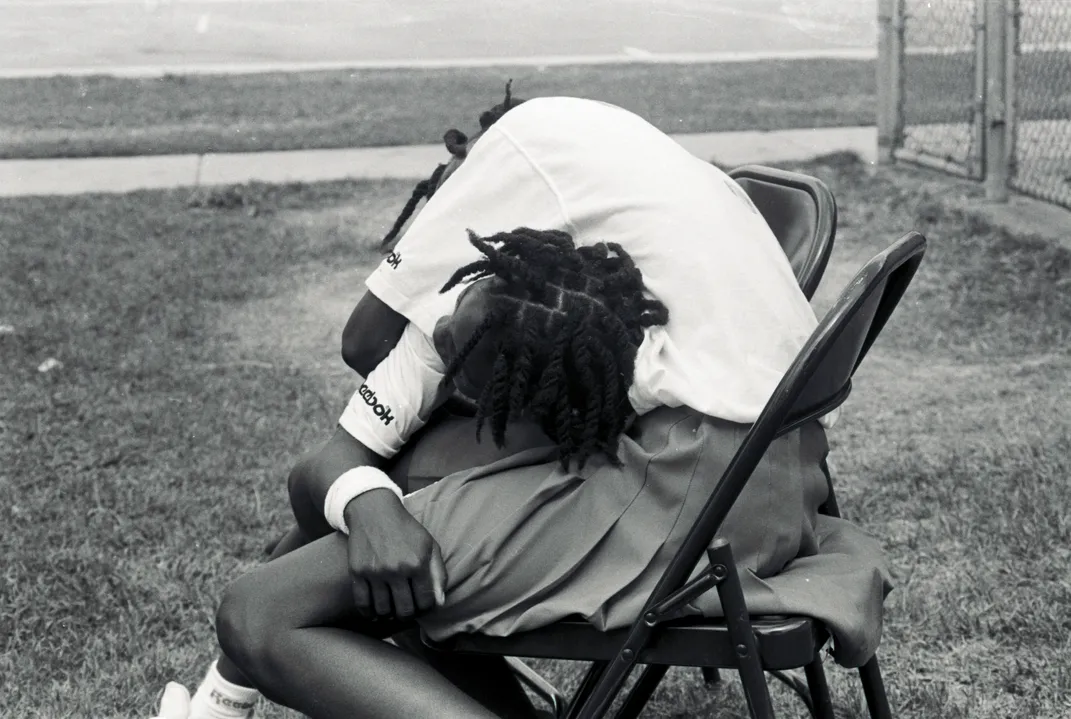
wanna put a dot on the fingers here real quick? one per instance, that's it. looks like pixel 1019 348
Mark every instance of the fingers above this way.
pixel 381 599
pixel 423 593
pixel 401 597
pixel 384 599
pixel 362 597
pixel 398 576
pixel 402 593
pixel 429 586
pixel 437 571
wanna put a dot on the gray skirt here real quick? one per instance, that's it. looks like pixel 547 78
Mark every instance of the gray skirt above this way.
pixel 526 544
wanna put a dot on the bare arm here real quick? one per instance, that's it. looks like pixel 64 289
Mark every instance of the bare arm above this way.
pixel 314 474
pixel 370 334
pixel 395 400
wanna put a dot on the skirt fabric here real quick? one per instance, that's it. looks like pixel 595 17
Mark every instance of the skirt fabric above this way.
pixel 526 544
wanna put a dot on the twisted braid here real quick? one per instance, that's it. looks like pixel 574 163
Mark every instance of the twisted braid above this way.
pixel 567 322
pixel 500 386
pixel 611 394
pixel 585 360
pixel 523 365
pixel 423 190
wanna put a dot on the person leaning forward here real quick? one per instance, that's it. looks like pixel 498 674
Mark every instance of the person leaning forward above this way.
pixel 614 313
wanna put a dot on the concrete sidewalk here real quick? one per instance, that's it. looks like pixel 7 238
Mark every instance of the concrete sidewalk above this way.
pixel 21 178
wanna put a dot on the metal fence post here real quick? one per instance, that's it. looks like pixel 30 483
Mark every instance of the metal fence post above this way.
pixel 1011 90
pixel 883 78
pixel 977 158
pixel 889 77
pixel 996 167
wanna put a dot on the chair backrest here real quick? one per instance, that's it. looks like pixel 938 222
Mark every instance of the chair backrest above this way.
pixel 802 213
pixel 818 380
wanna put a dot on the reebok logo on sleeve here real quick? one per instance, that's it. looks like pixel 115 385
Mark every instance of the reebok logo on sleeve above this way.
pixel 378 408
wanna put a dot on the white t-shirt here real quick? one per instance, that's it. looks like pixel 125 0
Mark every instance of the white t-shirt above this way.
pixel 398 396
pixel 737 316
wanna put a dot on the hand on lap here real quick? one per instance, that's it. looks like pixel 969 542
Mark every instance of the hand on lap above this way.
pixel 397 566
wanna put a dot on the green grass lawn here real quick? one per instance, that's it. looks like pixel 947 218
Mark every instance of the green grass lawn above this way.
pixel 91 116
pixel 198 343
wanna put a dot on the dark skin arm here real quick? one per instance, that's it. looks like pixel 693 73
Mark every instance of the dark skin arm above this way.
pixel 395 564
pixel 314 474
pixel 371 332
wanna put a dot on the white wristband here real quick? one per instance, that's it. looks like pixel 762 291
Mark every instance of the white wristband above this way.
pixel 353 483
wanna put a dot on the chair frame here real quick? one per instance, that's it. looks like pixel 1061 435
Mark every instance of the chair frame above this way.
pixel 661 637
pixel 820 245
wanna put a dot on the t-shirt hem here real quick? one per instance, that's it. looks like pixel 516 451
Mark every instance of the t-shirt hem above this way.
pixel 355 430
pixel 379 285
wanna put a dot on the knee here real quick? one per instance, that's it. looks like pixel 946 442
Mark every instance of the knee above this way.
pixel 246 631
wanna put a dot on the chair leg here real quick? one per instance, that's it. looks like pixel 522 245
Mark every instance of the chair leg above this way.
pixel 642 691
pixel 874 690
pixel 821 702
pixel 756 690
pixel 711 676
pixel 749 663
pixel 607 685
pixel 798 686
pixel 587 686
pixel 538 685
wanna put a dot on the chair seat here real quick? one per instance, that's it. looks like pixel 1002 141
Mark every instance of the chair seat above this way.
pixel 784 643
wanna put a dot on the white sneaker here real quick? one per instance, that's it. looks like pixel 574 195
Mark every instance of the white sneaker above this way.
pixel 175 702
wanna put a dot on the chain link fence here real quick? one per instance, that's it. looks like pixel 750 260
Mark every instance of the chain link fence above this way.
pixel 942 119
pixel 1039 85
pixel 981 89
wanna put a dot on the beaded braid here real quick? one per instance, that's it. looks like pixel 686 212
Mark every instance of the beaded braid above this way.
pixel 456 142
pixel 567 322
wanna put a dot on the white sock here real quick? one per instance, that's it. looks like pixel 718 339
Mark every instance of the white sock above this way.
pixel 218 698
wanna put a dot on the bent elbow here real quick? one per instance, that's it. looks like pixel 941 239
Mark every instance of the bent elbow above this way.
pixel 354 355
pixel 362 355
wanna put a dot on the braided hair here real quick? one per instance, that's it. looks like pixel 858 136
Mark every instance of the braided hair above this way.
pixel 457 144
pixel 567 322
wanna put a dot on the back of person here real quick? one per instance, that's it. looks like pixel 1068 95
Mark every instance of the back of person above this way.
pixel 526 542
pixel 603 174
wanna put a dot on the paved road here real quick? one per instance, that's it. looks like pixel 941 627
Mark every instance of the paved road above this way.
pixel 46 36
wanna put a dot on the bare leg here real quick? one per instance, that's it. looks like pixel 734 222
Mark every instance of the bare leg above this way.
pixel 488 679
pixel 292 540
pixel 280 626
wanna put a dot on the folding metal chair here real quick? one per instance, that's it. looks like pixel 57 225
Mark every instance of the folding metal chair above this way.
pixel 802 213
pixel 818 381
